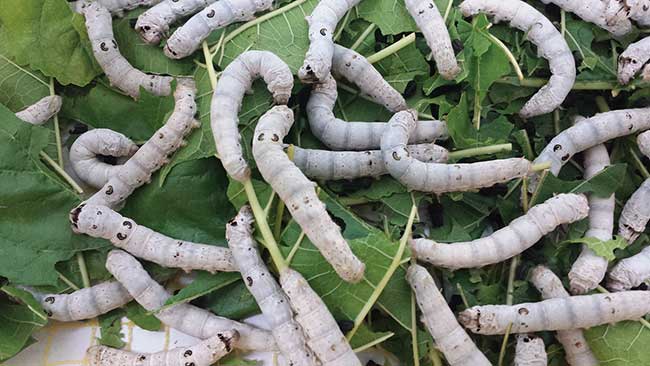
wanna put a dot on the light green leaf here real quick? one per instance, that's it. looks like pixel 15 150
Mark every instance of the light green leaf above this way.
pixel 602 248
pixel 141 317
pixel 19 86
pixel 390 16
pixel 365 338
pixel 110 325
pixel 403 66
pixel 624 343
pixel 27 299
pixel 203 284
pixel 17 323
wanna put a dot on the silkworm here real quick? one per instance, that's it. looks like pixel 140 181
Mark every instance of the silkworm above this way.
pixel 154 23
pixel 324 336
pixel 322 24
pixel 299 194
pixel 115 7
pixel 594 11
pixel 335 165
pixel 142 242
pixel 643 142
pixel 204 353
pixel 433 28
pixel 450 338
pixel 637 10
pixel 635 57
pixel 355 68
pixel 155 152
pixel 589 269
pixel 550 45
pixel 119 71
pixel 41 111
pixel 87 303
pixel 566 313
pixel 576 348
pixel 440 178
pixel 269 296
pixel 630 272
pixel 522 233
pixel 236 79
pixel 588 133
pixel 341 135
pixel 85 151
pixel 189 319
pixel 187 39
pixel 530 351
pixel 635 214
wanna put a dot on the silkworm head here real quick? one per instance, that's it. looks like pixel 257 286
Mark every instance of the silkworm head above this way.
pixel 91 220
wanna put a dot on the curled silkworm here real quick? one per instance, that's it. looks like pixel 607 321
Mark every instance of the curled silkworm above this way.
pixel 155 152
pixel 440 178
pixel 630 272
pixel 594 11
pixel 142 242
pixel 41 111
pixel 335 165
pixel 236 80
pixel 589 269
pixel 322 24
pixel 189 319
pixel 550 45
pixel 85 151
pixel 643 141
pixel 119 71
pixel 219 14
pixel 565 313
pixel 530 351
pixel 204 353
pixel 299 194
pixel 522 233
pixel 115 7
pixel 635 214
pixel 154 23
pixel 634 58
pixel 86 303
pixel 341 135
pixel 269 296
pixel 324 336
pixel 355 68
pixel 433 28
pixel 449 336
pixel 576 348
pixel 588 133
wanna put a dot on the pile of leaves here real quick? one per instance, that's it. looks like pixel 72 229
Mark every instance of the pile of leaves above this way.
pixel 44 49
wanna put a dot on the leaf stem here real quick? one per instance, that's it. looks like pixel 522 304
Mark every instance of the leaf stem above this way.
pixel 57 132
pixel 414 332
pixel 393 48
pixel 371 28
pixel 59 170
pixel 295 247
pixel 85 279
pixel 601 103
pixel 578 85
pixel 353 201
pixel 67 281
pixel 477 151
pixel 541 166
pixel 212 75
pixel 387 275
pixel 342 25
pixel 504 344
pixel 434 355
pixel 373 343
pixel 639 164
pixel 509 55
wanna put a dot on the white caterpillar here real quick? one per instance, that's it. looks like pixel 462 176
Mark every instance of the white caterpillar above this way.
pixel 119 71
pixel 635 57
pixel 588 133
pixel 86 303
pixel 550 45
pixel 267 293
pixel 154 23
pixel 204 353
pixel 324 336
pixel 433 28
pixel 335 165
pixel 341 135
pixel 449 336
pixel 355 68
pixel 236 80
pixel 530 351
pixel 566 313
pixel 630 272
pixel 322 24
pixel 188 37
pixel 299 194
pixel 594 11
pixel 507 242
pixel 575 345
pixel 643 142
pixel 155 152
pixel 142 242
pixel 189 319
pixel 636 212
pixel 440 178
pixel 41 111
pixel 116 7
pixel 589 269
pixel 85 150
pixel 621 10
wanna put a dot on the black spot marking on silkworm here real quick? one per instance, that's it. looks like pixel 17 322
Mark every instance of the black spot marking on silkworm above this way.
pixel 48 313
pixel 211 14
pixel 121 236
pixel 128 224
pixel 114 43
pixel 187 353
pixel 103 46
pixel 189 364
pixel 249 280
pixel 396 156
pixel 630 128
pixel 50 299
pixel 523 311
pixel 161 135
pixel 557 147
pixel 275 138
pixel 566 157
pixel 109 190
pixel 226 341
pixel 180 243
pixel 142 358
pixel 260 137
pixel 74 214
pixel 323 32
pixel 94 227
pixel 421 12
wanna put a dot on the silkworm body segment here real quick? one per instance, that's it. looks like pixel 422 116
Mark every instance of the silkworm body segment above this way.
pixel 41 111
